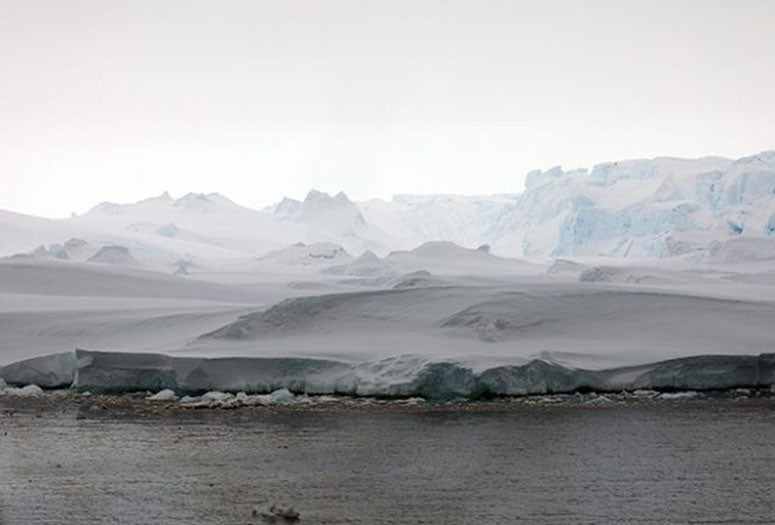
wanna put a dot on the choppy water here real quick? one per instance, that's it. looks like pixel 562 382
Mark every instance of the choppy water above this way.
pixel 684 463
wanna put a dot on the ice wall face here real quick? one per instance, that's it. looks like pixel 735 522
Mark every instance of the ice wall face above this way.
pixel 649 208
pixel 636 208
pixel 402 376
pixel 646 208
pixel 50 371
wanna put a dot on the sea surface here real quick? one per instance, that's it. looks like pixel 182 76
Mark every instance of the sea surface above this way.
pixel 689 462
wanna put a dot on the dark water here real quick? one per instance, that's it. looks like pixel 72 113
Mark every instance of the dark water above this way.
pixel 681 463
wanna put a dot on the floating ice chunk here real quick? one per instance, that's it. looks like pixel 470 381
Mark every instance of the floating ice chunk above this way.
pixel 327 399
pixel 250 401
pixel 677 396
pixel 645 393
pixel 196 402
pixel 26 391
pixel 228 403
pixel 31 391
pixel 3 384
pixel 163 395
pixel 599 400
pixel 256 399
pixel 412 401
pixel 283 397
pixel 545 399
pixel 217 396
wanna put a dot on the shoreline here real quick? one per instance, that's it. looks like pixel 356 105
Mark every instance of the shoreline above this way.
pixel 139 404
pixel 401 376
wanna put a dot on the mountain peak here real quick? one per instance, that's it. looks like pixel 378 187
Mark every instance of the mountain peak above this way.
pixel 315 194
pixel 287 209
pixel 320 206
pixel 194 197
pixel 195 201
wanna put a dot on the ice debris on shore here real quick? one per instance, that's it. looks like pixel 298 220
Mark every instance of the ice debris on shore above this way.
pixel 678 396
pixel 215 399
pixel 163 395
pixel 403 376
pixel 25 391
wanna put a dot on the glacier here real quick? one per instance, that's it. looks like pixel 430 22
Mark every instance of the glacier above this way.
pixel 650 208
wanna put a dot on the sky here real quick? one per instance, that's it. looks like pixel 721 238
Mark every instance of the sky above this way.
pixel 104 100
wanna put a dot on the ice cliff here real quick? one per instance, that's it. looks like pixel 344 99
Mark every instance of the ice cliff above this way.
pixel 403 376
pixel 651 208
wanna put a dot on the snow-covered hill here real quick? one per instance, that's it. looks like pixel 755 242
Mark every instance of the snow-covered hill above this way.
pixel 205 225
pixel 212 226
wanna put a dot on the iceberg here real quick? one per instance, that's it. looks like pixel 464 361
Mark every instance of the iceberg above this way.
pixel 163 395
pixel 25 391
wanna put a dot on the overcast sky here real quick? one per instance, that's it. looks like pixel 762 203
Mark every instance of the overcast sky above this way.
pixel 107 100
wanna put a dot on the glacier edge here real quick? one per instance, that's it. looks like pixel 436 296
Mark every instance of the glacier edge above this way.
pixel 400 376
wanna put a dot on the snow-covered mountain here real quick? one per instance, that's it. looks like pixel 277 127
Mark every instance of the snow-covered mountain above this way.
pixel 319 207
pixel 332 219
pixel 195 217
pixel 161 230
pixel 710 208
